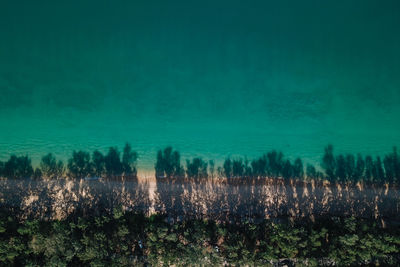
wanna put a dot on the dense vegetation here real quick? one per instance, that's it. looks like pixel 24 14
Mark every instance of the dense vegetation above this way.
pixel 121 239
pixel 335 168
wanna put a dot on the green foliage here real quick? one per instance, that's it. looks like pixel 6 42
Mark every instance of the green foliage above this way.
pixel 125 239
pixel 117 213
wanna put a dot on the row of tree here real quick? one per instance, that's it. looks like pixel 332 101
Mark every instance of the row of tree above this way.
pixel 342 168
pixel 350 168
pixel 80 165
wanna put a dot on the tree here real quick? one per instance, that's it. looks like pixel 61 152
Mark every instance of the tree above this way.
pixel 196 169
pixel 168 163
pixel 79 166
pixel 1 169
pixel 238 168
pixel 298 169
pixel 287 170
pixel 360 168
pixel 340 168
pixel 369 168
pixel 18 167
pixel 396 162
pixel 129 159
pixel 247 169
pixel 113 162
pixel 227 168
pixel 98 163
pixel 276 162
pixel 260 166
pixel 159 167
pixel 311 172
pixel 174 168
pixel 50 167
pixel 392 166
pixel 211 165
pixel 378 174
pixel 329 163
pixel 350 167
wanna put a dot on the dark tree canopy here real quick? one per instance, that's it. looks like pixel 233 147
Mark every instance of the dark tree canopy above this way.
pixel 168 163
pixel 392 166
pixel 344 168
pixel 18 167
pixel 79 166
pixel 50 167
pixel 113 162
pixel 1 169
pixel 129 158
pixel 360 168
pixel 197 168
pixel 287 170
pixel 260 166
pixel 238 168
pixel 227 168
pixel 369 168
pixel 276 163
pixel 211 165
pixel 379 174
pixel 340 168
pixel 298 169
pixel 311 172
pixel 98 163
pixel 329 163
pixel 350 167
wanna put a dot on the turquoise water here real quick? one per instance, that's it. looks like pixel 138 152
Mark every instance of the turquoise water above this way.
pixel 211 78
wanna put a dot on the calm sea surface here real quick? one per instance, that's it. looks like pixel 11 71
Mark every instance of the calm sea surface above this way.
pixel 211 78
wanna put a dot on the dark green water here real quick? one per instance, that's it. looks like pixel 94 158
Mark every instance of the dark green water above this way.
pixel 211 78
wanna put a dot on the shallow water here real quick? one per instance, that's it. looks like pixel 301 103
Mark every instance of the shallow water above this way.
pixel 211 79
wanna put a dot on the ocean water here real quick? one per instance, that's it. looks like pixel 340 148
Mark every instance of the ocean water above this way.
pixel 211 78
